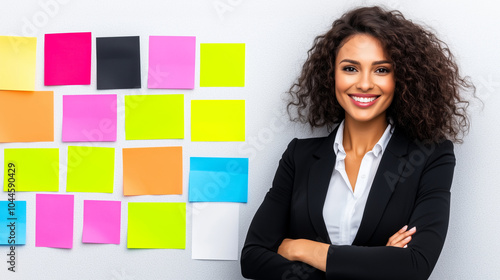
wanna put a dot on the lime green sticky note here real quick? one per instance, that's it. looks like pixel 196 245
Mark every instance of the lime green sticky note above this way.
pixel 31 169
pixel 154 117
pixel 222 65
pixel 159 225
pixel 218 120
pixel 18 63
pixel 90 169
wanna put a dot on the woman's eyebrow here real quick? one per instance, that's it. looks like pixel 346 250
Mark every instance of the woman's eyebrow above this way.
pixel 358 63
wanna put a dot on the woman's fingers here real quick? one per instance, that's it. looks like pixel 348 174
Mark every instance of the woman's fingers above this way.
pixel 402 237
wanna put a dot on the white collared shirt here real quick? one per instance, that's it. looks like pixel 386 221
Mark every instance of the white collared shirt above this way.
pixel 343 208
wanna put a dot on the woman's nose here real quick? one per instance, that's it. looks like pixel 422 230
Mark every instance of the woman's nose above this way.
pixel 365 82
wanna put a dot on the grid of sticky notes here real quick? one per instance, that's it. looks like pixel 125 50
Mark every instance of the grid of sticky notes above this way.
pixel 217 185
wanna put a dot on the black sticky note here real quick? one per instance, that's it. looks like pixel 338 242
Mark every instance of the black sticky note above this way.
pixel 118 62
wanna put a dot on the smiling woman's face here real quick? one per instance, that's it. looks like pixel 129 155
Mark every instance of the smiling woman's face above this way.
pixel 364 79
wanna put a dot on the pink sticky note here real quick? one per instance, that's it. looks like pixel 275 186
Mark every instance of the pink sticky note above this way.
pixel 171 62
pixel 101 221
pixel 54 220
pixel 67 58
pixel 89 118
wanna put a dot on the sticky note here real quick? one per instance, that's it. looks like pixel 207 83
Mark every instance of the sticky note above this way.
pixel 215 231
pixel 171 62
pixel 89 118
pixel 118 62
pixel 54 220
pixel 12 222
pixel 18 63
pixel 154 117
pixel 68 58
pixel 101 221
pixel 90 169
pixel 149 171
pixel 222 65
pixel 26 116
pixel 33 169
pixel 156 225
pixel 218 120
pixel 218 179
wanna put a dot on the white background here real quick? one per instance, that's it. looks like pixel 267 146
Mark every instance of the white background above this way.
pixel 277 35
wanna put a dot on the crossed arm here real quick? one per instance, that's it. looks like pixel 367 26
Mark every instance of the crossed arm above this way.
pixel 315 253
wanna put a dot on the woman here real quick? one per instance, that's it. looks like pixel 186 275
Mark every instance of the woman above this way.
pixel 371 200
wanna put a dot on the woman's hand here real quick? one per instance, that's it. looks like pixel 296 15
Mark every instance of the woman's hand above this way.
pixel 401 238
pixel 307 251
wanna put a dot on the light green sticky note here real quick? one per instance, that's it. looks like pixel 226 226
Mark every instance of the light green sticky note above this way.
pixel 218 120
pixel 154 117
pixel 159 225
pixel 222 65
pixel 90 169
pixel 32 169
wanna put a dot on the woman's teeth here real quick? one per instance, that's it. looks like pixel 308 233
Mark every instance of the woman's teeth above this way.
pixel 364 99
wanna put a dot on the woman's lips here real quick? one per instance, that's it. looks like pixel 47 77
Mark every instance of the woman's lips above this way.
pixel 363 100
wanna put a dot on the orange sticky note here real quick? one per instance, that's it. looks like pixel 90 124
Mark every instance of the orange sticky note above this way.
pixel 149 171
pixel 26 116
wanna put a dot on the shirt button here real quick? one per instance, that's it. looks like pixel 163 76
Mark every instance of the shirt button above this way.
pixel 363 176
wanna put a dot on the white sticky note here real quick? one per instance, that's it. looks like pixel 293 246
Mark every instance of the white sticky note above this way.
pixel 215 230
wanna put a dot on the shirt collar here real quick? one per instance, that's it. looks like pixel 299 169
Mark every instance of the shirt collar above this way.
pixel 377 150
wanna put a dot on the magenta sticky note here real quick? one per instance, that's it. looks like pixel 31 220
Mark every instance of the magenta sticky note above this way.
pixel 171 62
pixel 89 118
pixel 101 221
pixel 68 58
pixel 54 220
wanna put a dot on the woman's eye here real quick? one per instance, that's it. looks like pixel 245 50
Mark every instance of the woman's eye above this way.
pixel 382 70
pixel 349 69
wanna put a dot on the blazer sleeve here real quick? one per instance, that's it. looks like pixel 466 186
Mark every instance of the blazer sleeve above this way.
pixel 259 257
pixel 430 215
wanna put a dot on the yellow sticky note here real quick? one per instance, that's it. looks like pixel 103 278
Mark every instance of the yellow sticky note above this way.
pixel 218 120
pixel 26 116
pixel 90 169
pixel 154 117
pixel 32 169
pixel 17 63
pixel 156 225
pixel 222 65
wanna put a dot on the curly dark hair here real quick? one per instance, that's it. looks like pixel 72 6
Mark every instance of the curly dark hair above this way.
pixel 427 104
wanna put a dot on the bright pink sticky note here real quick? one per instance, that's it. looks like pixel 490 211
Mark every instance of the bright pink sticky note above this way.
pixel 67 58
pixel 89 118
pixel 54 220
pixel 101 221
pixel 171 62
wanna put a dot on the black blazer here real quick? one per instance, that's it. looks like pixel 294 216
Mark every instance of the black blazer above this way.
pixel 411 187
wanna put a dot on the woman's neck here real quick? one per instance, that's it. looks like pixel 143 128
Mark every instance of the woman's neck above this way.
pixel 361 137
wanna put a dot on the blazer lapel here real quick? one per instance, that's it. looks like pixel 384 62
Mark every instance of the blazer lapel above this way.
pixel 384 183
pixel 320 173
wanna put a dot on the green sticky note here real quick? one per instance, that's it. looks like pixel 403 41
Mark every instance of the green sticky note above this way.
pixel 222 65
pixel 218 120
pixel 90 169
pixel 32 169
pixel 156 225
pixel 154 117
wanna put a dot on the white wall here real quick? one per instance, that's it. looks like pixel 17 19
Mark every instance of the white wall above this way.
pixel 277 35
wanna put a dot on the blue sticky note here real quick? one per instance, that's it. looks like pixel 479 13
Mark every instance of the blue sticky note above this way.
pixel 12 223
pixel 218 179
